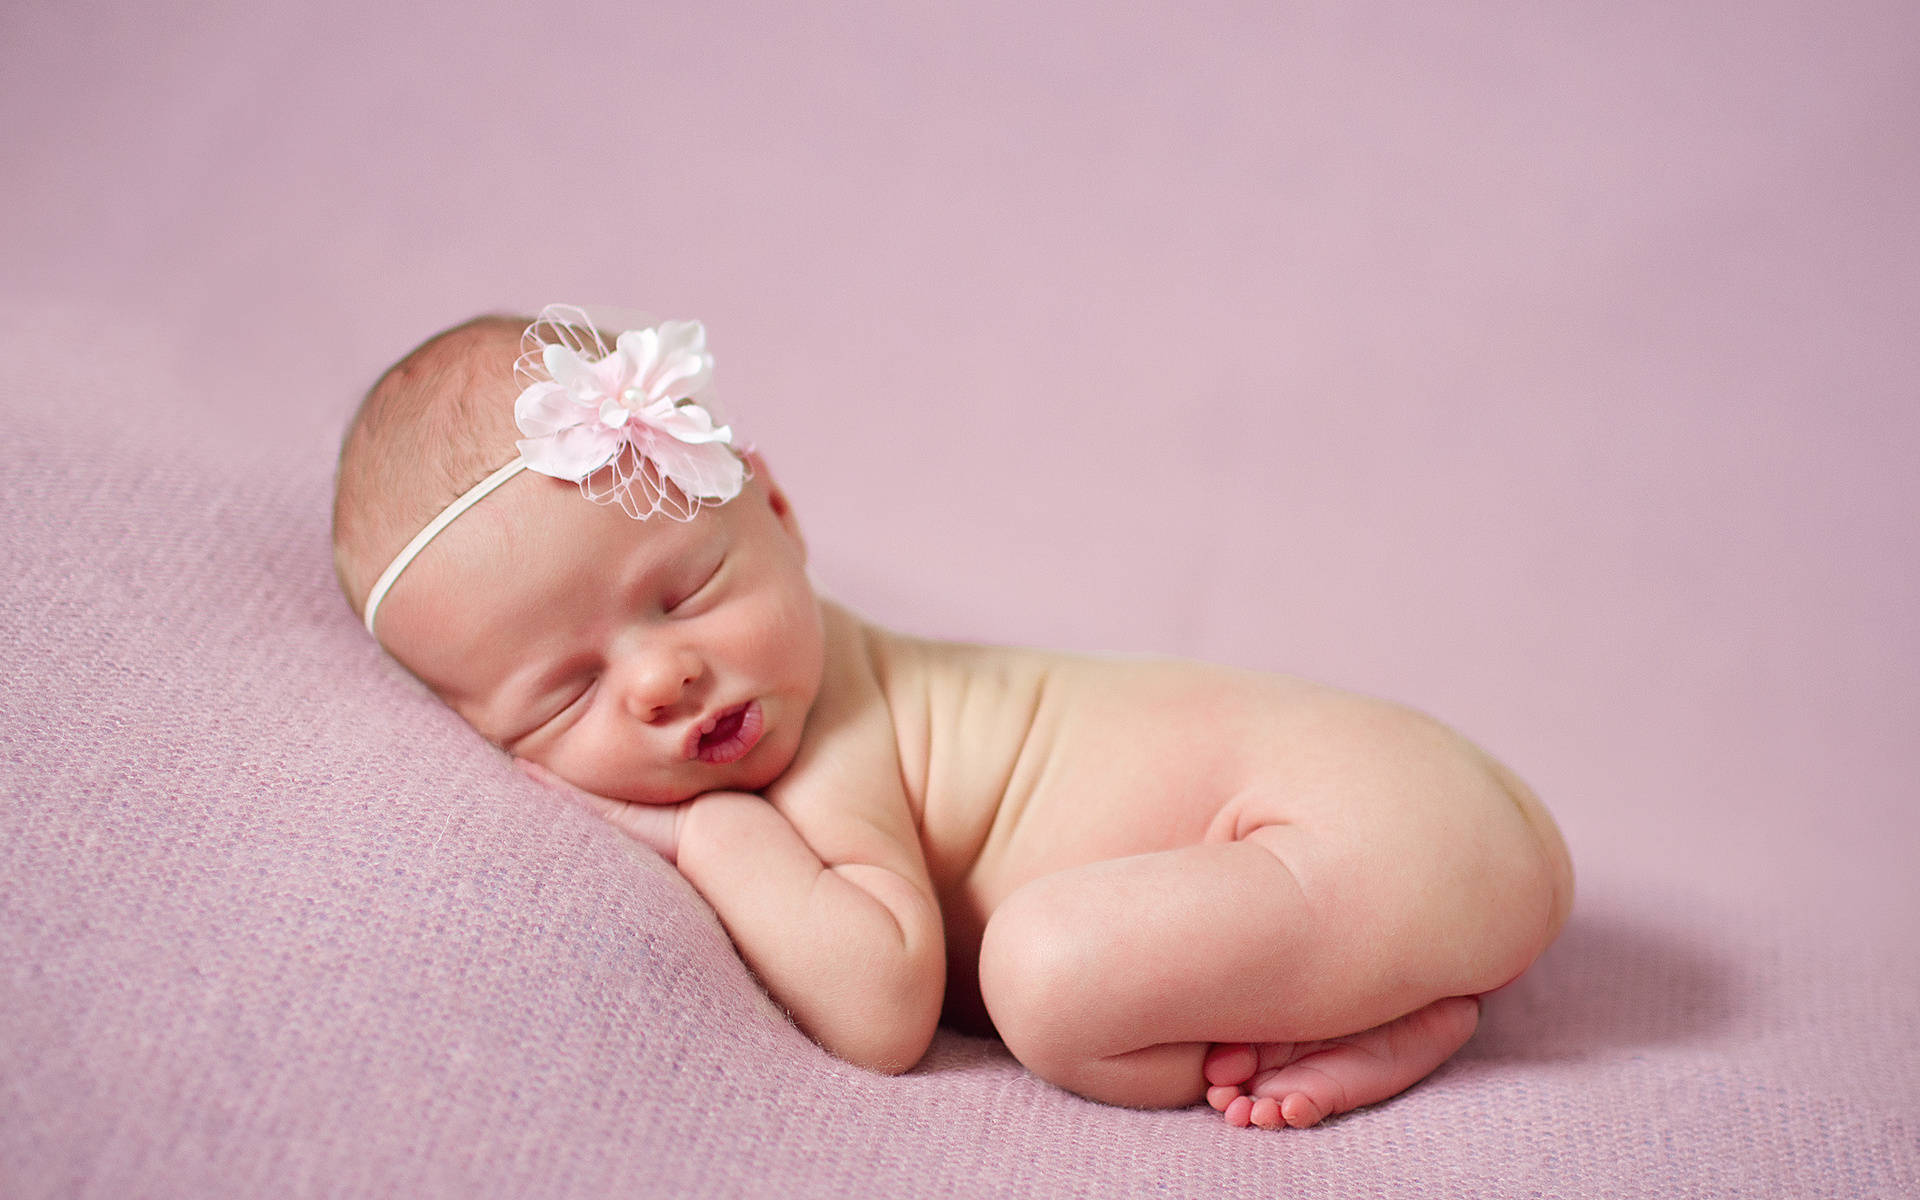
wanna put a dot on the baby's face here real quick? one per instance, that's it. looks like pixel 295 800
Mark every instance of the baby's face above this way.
pixel 649 660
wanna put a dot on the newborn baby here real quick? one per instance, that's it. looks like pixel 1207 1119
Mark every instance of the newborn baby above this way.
pixel 1158 882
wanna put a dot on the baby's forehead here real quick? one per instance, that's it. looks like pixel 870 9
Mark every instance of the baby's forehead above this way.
pixel 547 526
pixel 534 558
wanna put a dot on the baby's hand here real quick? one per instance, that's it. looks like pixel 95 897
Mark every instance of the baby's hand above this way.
pixel 653 825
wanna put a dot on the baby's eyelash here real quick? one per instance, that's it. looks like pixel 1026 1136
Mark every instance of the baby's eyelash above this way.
pixel 549 722
pixel 570 705
pixel 701 587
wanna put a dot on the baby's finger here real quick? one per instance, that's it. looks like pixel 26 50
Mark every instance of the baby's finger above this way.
pixel 643 823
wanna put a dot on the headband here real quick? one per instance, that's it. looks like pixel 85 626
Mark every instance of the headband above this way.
pixel 633 426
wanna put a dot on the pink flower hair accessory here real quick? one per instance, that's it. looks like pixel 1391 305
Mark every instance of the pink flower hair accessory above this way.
pixel 634 425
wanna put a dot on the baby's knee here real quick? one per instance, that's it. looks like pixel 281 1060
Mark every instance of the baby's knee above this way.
pixel 1043 980
pixel 1058 1000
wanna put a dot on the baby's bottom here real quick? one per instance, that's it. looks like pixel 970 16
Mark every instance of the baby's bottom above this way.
pixel 1158 980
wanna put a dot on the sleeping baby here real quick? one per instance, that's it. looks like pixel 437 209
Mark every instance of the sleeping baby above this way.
pixel 1158 882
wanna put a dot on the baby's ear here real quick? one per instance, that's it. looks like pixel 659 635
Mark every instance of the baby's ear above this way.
pixel 776 499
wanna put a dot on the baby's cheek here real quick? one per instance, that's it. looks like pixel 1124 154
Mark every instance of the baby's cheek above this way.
pixel 782 630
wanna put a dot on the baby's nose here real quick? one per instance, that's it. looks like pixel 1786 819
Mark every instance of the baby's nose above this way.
pixel 659 682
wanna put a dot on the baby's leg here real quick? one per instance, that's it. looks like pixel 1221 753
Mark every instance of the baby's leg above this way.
pixel 1116 978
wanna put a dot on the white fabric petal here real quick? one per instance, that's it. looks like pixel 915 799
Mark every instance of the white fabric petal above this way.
pixel 566 368
pixel 708 471
pixel 641 349
pixel 690 423
pixel 573 453
pixel 544 408
pixel 612 374
pixel 680 377
pixel 684 369
pixel 682 337
pixel 613 414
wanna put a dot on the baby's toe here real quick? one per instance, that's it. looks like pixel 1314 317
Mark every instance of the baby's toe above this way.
pixel 1239 1112
pixel 1222 1094
pixel 1299 1110
pixel 1265 1114
pixel 1231 1063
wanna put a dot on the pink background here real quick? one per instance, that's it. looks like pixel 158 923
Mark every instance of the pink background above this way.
pixel 1550 368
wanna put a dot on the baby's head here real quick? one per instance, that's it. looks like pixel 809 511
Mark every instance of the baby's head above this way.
pixel 567 548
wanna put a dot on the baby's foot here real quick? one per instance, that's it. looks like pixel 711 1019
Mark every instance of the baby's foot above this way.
pixel 1299 1083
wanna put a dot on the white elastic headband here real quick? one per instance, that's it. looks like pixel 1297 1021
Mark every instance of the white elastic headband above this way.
pixel 474 495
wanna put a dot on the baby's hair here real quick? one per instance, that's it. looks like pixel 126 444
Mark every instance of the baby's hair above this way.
pixel 436 423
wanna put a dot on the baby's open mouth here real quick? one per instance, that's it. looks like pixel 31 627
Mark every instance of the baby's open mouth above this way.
pixel 728 734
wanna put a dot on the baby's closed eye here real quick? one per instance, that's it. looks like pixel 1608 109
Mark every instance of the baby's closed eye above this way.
pixel 701 581
pixel 557 715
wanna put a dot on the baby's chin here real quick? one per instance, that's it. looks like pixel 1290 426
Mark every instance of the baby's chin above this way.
pixel 754 773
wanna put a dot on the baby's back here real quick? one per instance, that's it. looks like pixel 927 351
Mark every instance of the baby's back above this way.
pixel 1022 762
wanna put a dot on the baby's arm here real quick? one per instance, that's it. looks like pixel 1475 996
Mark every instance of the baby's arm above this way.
pixel 832 911
pixel 822 884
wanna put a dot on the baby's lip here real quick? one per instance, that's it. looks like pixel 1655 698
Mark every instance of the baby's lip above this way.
pixel 740 724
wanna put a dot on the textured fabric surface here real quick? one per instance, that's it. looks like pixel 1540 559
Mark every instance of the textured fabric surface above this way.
pixel 1553 372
